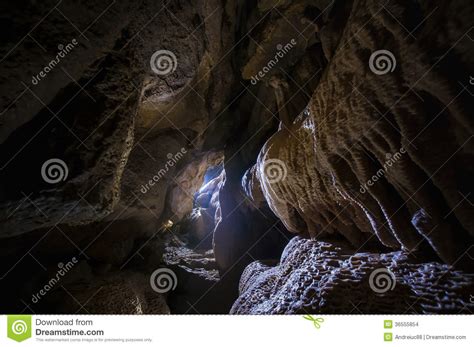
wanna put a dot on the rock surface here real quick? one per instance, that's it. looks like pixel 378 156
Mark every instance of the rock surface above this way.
pixel 362 160
pixel 321 277
pixel 103 110
pixel 200 288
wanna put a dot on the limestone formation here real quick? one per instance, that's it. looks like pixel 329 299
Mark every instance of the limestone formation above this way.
pixel 321 277
pixel 103 111
pixel 361 161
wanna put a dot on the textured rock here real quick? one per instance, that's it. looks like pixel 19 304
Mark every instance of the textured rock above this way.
pixel 200 288
pixel 199 225
pixel 360 125
pixel 321 277
pixel 246 228
pixel 187 183
pixel 90 130
pixel 113 121
pixel 118 293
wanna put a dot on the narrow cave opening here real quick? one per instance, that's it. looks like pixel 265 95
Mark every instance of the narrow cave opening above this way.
pixel 201 221
pixel 188 242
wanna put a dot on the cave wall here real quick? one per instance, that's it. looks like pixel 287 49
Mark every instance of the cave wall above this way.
pixel 332 278
pixel 362 160
pixel 130 139
pixel 104 112
pixel 380 160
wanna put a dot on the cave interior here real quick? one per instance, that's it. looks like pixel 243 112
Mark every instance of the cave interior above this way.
pixel 243 157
